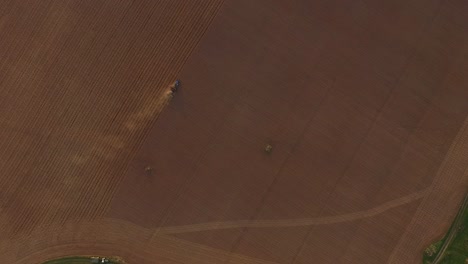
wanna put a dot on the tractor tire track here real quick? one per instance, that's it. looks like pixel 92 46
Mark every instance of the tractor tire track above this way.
pixel 294 222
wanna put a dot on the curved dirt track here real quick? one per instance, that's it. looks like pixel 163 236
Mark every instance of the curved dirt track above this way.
pixel 106 236
pixel 293 222
pixel 364 102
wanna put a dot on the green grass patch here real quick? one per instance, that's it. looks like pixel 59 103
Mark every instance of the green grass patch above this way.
pixel 70 260
pixel 82 260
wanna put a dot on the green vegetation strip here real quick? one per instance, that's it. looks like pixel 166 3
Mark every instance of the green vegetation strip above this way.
pixel 70 260
pixel 453 248
pixel 82 260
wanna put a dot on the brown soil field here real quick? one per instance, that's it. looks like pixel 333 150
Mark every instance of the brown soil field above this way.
pixel 364 102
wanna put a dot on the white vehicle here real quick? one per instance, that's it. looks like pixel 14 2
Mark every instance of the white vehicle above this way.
pixel 98 260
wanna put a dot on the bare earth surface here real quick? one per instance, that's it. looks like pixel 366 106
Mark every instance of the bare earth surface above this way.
pixel 364 102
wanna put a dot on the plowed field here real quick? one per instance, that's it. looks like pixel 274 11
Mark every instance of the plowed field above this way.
pixel 364 102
